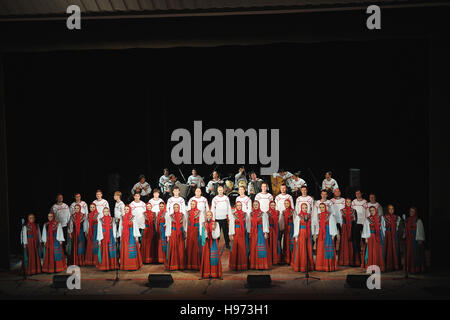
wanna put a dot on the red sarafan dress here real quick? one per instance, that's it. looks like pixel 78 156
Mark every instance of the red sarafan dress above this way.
pixel 260 257
pixel 54 258
pixel 193 240
pixel 91 257
pixel 211 266
pixel 303 243
pixel 148 243
pixel 391 244
pixel 240 245
pixel 349 254
pixel 175 246
pixel 415 255
pixel 274 235
pixel 108 247
pixel 30 237
pixel 130 255
pixel 326 252
pixel 288 235
pixel 373 251
pixel 78 240
pixel 161 241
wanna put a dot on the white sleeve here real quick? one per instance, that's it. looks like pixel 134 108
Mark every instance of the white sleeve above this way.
pixel 228 208
pixel 420 231
pixel 231 231
pixel 60 233
pixel 202 182
pixel 133 189
pixel 70 225
pixel 189 180
pixel 206 206
pixel 136 231
pixel 114 230
pixel 208 186
pixel 248 222
pixel 216 231
pixel 296 225
pixel 120 229
pixel 23 235
pixel 323 184
pixel 337 214
pixel 336 186
pixel 265 221
pixel 380 211
pixel 297 206
pixel 366 230
pixel 168 225
pixel 99 230
pixel 86 225
pixel 332 224
pixel 44 234
pixel 315 225
pixel 213 207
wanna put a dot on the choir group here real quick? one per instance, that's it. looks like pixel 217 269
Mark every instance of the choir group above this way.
pixel 304 233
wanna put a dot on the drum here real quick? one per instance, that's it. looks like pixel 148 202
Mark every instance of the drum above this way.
pixel 229 185
pixel 232 195
pixel 242 183
pixel 184 189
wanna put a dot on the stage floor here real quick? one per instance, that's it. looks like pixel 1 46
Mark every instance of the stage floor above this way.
pixel 188 285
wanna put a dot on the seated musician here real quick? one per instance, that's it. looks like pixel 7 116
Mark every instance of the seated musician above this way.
pixel 254 186
pixel 143 188
pixel 164 178
pixel 240 176
pixel 168 187
pixel 285 175
pixel 329 184
pixel 194 181
pixel 295 183
pixel 211 188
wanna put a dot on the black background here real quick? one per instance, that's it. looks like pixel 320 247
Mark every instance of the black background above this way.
pixel 73 118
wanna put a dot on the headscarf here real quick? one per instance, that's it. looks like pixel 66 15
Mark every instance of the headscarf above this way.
pixel 192 216
pixel 348 217
pixel 161 214
pixel 77 217
pixel 240 215
pixel 107 225
pixel 322 222
pixel 376 224
pixel 91 220
pixel 275 216
pixel 33 228
pixel 411 223
pixel 308 223
pixel 125 221
pixel 255 215
pixel 50 226
pixel 177 216
pixel 286 213
pixel 149 214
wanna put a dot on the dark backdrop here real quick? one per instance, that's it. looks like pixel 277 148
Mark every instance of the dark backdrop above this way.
pixel 74 118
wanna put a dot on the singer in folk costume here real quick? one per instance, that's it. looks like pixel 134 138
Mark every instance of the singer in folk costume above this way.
pixel 91 230
pixel 373 233
pixel 303 239
pixel 161 241
pixel 238 231
pixel 325 230
pixel 415 237
pixel 260 255
pixel 274 234
pixel 390 223
pixel 193 237
pixel 30 239
pixel 107 244
pixel 287 226
pixel 77 238
pixel 211 266
pixel 349 248
pixel 130 254
pixel 148 243
pixel 53 238
pixel 175 226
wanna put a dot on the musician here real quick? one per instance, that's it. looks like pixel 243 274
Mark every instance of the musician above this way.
pixel 176 199
pixel 82 204
pixel 240 176
pixel 254 186
pixel 329 207
pixel 164 178
pixel 193 182
pixel 62 213
pixel 285 175
pixel 264 197
pixel 295 183
pixel 137 209
pixel 304 198
pixel 329 184
pixel 155 201
pixel 221 209
pixel 143 187
pixel 119 207
pixel 373 203
pixel 212 185
pixel 279 199
pixel 202 202
pixel 168 186
pixel 245 201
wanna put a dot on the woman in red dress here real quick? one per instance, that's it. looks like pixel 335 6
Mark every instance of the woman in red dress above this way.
pixel 30 239
pixel 349 249
pixel 372 232
pixel 148 236
pixel 303 241
pixel 211 267
pixel 106 238
pixel 161 241
pixel 91 257
pixel 77 238
pixel 415 237
pixel 260 255
pixel 287 226
pixel 175 223
pixel 325 232
pixel 130 255
pixel 193 238
pixel 274 234
pixel 238 231
pixel 391 245
pixel 53 238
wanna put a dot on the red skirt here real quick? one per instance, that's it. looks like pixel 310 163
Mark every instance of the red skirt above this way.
pixel 91 257
pixel 275 246
pixel 260 255
pixel 239 251
pixel 54 259
pixel 161 243
pixel 347 256
pixel 391 251
pixel 299 259
pixel 78 248
pixel 373 254
pixel 193 249
pixel 211 265
pixel 288 243
pixel 325 256
pixel 109 256
pixel 415 255
pixel 130 255
pixel 33 261
pixel 148 244
pixel 176 257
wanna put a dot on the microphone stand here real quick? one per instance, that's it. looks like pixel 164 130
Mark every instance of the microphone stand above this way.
pixel 307 276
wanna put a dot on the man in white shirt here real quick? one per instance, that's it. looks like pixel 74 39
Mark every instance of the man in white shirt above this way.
pixel 119 207
pixel 339 203
pixel 168 186
pixel 240 176
pixel 285 175
pixel 264 198
pixel 360 205
pixel 155 201
pixel 329 184
pixel 254 185
pixel 137 209
pixel 295 183
pixel 245 200
pixel 62 213
pixel 176 199
pixel 142 187
pixel 83 205
pixel 304 198
pixel 283 196
pixel 194 181
pixel 316 208
pixel 373 203
pixel 221 209
pixel 164 178
pixel 211 188
pixel 202 202
pixel 100 203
